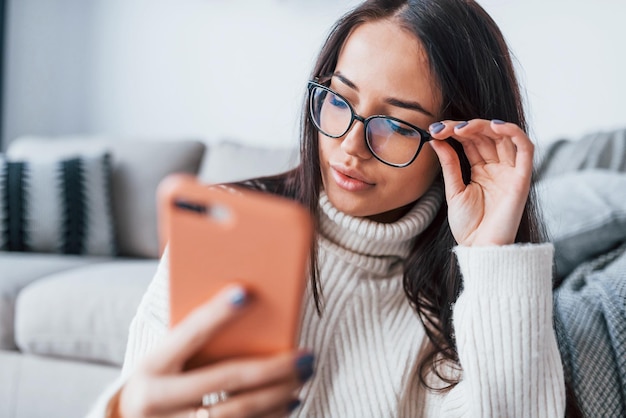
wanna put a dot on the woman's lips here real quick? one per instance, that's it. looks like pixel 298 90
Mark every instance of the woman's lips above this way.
pixel 349 179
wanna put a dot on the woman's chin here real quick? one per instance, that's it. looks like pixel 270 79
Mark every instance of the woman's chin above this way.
pixel 368 208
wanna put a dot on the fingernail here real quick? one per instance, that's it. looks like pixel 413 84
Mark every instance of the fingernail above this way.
pixel 437 127
pixel 293 405
pixel 498 121
pixel 304 366
pixel 461 125
pixel 238 297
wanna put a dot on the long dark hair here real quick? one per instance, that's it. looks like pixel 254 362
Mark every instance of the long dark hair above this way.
pixel 472 65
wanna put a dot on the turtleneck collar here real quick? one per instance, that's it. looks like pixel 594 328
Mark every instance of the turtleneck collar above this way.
pixel 364 237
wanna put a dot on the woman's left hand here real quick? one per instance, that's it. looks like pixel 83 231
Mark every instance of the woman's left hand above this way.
pixel 488 210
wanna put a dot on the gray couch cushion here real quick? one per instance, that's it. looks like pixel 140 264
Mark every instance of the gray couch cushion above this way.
pixel 37 387
pixel 604 150
pixel 138 167
pixel 83 313
pixel 17 270
pixel 230 161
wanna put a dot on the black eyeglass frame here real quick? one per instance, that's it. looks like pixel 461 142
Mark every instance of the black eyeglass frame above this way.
pixel 424 135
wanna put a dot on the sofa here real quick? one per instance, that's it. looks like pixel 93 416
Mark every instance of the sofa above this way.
pixel 65 308
pixel 64 317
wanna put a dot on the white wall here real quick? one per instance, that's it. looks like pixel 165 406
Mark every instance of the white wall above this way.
pixel 571 60
pixel 48 72
pixel 219 68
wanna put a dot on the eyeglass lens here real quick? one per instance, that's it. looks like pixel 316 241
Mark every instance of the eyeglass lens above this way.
pixel 389 139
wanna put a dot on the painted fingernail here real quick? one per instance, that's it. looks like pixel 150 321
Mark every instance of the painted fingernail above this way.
pixel 238 297
pixel 293 405
pixel 461 125
pixel 437 127
pixel 304 366
pixel 498 121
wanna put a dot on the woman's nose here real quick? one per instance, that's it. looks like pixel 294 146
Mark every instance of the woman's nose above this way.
pixel 353 142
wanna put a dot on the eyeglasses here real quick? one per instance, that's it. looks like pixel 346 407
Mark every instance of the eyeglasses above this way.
pixel 392 141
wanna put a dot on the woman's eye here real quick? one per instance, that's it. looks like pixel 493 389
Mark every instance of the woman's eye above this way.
pixel 400 129
pixel 337 101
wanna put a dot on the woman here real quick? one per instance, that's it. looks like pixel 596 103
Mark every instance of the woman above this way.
pixel 423 302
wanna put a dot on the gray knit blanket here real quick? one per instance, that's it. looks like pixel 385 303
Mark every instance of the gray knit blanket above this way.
pixel 582 194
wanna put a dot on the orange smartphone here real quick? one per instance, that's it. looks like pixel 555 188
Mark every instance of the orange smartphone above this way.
pixel 217 236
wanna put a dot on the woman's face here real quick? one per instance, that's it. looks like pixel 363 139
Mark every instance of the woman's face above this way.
pixel 382 70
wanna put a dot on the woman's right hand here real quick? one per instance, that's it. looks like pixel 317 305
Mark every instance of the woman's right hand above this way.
pixel 256 387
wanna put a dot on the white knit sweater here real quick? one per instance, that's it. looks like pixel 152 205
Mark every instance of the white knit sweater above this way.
pixel 368 342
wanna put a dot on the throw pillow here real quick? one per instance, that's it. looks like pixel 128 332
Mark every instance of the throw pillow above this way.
pixel 61 206
pixel 585 215
pixel 138 167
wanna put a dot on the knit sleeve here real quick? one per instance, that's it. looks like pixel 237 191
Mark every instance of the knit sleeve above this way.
pixel 146 330
pixel 504 334
pixel 151 320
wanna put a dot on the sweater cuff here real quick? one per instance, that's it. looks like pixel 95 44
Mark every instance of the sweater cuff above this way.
pixel 507 270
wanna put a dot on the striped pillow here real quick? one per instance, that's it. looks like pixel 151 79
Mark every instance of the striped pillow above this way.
pixel 57 206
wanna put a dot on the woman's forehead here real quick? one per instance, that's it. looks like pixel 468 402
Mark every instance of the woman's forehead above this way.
pixel 382 56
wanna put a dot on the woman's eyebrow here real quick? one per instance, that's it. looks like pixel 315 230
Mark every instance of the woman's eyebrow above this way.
pixel 408 105
pixel 345 81
pixel 412 105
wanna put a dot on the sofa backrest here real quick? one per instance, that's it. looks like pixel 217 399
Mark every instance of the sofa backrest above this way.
pixel 230 161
